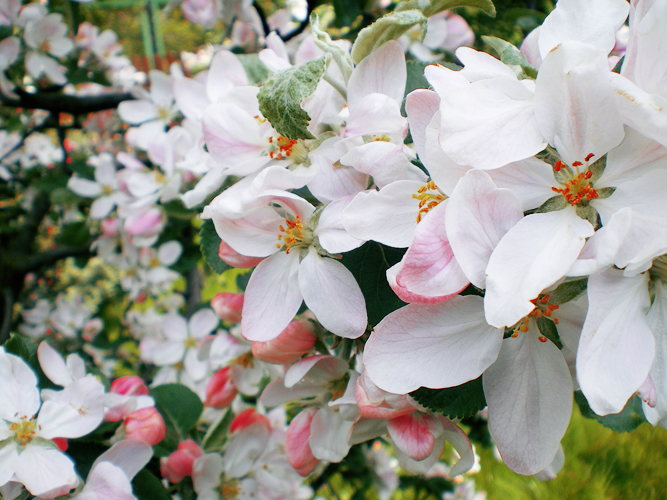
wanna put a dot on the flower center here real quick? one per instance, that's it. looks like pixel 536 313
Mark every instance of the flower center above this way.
pixel 24 431
pixel 428 201
pixel 292 235
pixel 542 308
pixel 283 148
pixel 229 490
pixel 244 360
pixel 658 270
pixel 190 343
pixel 577 188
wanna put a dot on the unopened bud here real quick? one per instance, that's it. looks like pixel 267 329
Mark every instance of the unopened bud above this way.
pixel 220 391
pixel 129 386
pixel 228 306
pixel 292 343
pixel 230 256
pixel 147 425
pixel 179 464
pixel 297 447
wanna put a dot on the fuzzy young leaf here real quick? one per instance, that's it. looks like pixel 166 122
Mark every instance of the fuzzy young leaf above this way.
pixel 322 39
pixel 627 420
pixel 280 98
pixel 461 401
pixel 209 243
pixel 254 68
pixel 510 55
pixel 387 28
pixel 369 264
pixel 567 291
pixel 548 329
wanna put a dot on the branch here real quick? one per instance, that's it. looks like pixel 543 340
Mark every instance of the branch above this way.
pixel 63 103
pixel 50 257
pixel 300 29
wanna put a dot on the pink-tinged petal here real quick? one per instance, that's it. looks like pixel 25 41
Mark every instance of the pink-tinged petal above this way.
pixel 420 466
pixel 297 447
pixel 429 266
pixel 333 295
pixel 617 346
pixel 129 455
pixel 373 402
pixel 316 370
pixel 458 439
pixel 328 435
pixel 415 434
pixel 232 134
pixel 593 22
pixel 247 418
pixel 487 126
pixel 420 106
pixel 228 306
pixel 136 112
pixel 657 321
pixel 272 297
pixel 45 472
pixel 202 323
pixel 384 161
pixel 330 231
pixel 228 255
pixel 530 48
pixel 382 72
pixel 532 256
pixel 444 345
pixel 53 365
pixel 106 482
pixel 529 393
pixel 225 73
pixel 478 216
pixel 77 410
pixel 405 295
pixel 574 102
pixel 388 216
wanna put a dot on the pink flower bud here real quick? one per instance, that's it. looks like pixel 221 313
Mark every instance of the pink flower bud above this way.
pixel 220 391
pixel 147 224
pixel 228 306
pixel 247 418
pixel 297 447
pixel 292 343
pixel 129 386
pixel 179 464
pixel 235 259
pixel 147 425
pixel 110 227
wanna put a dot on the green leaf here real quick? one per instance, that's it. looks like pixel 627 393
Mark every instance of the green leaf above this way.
pixel 389 27
pixel 416 79
pixel 631 417
pixel 178 405
pixel 209 243
pixel 462 401
pixel 216 435
pixel 548 329
pixel 280 98
pixel 369 264
pixel 322 39
pixel 510 55
pixel 567 291
pixel 75 234
pixel 146 486
pixel 52 180
pixel 84 453
pixel 432 7
pixel 254 68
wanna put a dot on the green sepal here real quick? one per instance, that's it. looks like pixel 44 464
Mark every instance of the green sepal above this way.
pixel 588 213
pixel 631 417
pixel 553 204
pixel 209 242
pixel 567 291
pixel 462 401
pixel 216 435
pixel 597 168
pixel 549 330
pixel 281 96
pixel 389 27
pixel 605 192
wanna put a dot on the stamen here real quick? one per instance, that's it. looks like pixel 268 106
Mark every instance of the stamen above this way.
pixel 428 201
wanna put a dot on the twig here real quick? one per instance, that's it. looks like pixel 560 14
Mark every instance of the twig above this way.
pixel 57 102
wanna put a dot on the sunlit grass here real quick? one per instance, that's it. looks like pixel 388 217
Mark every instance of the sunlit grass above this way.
pixel 599 465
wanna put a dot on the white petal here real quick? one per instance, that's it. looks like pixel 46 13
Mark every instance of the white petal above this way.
pixel 381 72
pixel 43 469
pixel 328 435
pixel 333 295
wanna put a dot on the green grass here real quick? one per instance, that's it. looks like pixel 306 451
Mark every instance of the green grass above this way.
pixel 599 465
